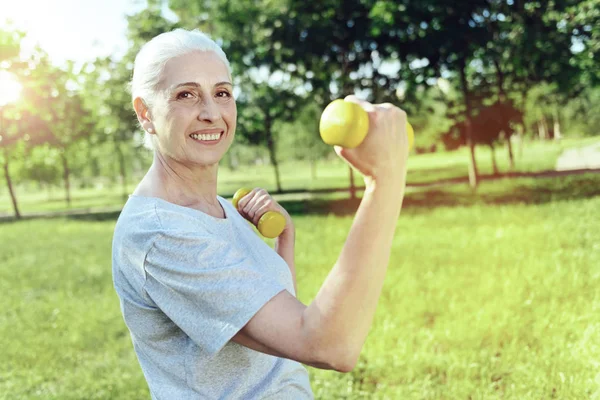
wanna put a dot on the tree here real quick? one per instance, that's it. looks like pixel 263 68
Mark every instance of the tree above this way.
pixel 63 110
pixel 582 20
pixel 328 44
pixel 491 122
pixel 261 106
pixel 436 39
pixel 111 103
pixel 19 122
pixel 488 124
pixel 10 50
pixel 301 140
pixel 42 164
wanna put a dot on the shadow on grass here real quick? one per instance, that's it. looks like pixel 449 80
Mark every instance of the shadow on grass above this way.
pixel 506 191
pixel 500 191
pixel 427 176
pixel 89 198
pixel 91 216
pixel 96 217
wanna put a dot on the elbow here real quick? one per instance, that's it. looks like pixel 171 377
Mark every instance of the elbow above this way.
pixel 344 365
pixel 339 357
pixel 331 349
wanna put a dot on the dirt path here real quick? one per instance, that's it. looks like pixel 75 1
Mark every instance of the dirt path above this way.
pixel 587 157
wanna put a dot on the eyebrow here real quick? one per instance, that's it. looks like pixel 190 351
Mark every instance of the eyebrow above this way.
pixel 196 84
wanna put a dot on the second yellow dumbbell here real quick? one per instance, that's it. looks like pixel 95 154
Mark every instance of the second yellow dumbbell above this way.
pixel 270 224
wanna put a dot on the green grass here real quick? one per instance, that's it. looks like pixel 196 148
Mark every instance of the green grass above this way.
pixel 423 168
pixel 488 295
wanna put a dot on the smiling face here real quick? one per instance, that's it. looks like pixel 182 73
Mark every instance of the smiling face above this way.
pixel 194 113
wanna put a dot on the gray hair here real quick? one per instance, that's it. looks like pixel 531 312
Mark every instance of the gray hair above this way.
pixel 154 55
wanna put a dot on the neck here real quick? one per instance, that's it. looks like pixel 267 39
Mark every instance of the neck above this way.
pixel 187 185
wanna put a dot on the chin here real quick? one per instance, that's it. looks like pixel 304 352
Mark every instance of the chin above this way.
pixel 206 161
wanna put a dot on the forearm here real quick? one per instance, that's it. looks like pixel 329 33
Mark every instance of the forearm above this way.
pixel 343 310
pixel 285 247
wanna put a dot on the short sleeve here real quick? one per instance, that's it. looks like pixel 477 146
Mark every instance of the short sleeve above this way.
pixel 206 286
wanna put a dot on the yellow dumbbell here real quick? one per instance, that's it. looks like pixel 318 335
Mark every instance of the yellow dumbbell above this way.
pixel 270 224
pixel 346 124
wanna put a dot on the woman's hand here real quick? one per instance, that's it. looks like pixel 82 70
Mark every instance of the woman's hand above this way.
pixel 256 203
pixel 382 156
pixel 253 206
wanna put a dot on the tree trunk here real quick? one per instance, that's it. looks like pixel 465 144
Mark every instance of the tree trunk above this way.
pixel 546 127
pixel 502 99
pixel 542 128
pixel 557 134
pixel 66 173
pixel 521 136
pixel 511 157
pixel 473 173
pixel 233 161
pixel 271 147
pixel 10 186
pixel 523 130
pixel 94 166
pixel 347 90
pixel 500 81
pixel 352 185
pixel 48 188
pixel 313 168
pixel 494 165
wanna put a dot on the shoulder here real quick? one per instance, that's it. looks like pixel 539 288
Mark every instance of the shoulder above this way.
pixel 142 213
pixel 143 220
pixel 137 226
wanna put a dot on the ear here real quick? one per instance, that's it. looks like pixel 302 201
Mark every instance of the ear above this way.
pixel 143 114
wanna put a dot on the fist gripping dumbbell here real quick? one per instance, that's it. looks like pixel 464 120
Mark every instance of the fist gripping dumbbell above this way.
pixel 270 224
pixel 346 124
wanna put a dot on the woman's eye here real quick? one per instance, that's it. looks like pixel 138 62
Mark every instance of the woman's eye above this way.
pixel 223 93
pixel 185 95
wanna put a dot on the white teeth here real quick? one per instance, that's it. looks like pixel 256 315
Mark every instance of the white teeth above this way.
pixel 214 136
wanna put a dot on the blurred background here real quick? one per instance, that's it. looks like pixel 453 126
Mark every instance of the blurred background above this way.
pixel 492 285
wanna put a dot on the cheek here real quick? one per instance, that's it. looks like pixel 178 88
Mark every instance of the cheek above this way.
pixel 177 117
pixel 164 113
pixel 230 115
pixel 176 111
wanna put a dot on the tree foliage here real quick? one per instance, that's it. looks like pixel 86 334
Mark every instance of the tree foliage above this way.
pixel 465 72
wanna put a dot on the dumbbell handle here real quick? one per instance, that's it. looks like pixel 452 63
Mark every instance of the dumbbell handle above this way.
pixel 270 224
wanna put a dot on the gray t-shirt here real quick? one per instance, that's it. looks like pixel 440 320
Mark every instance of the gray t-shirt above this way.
pixel 187 283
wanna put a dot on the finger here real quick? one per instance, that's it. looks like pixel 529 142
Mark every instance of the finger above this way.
pixel 252 211
pixel 385 106
pixel 247 198
pixel 261 211
pixel 339 150
pixel 243 201
pixel 364 104
pixel 346 154
pixel 253 198
pixel 260 195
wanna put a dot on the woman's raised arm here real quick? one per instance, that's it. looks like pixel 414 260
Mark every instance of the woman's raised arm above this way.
pixel 330 332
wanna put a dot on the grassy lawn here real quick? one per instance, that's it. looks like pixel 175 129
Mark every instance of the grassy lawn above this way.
pixel 423 168
pixel 488 295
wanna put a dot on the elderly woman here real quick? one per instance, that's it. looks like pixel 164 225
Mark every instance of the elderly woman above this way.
pixel 211 307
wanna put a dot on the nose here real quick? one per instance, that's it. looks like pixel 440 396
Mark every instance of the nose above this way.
pixel 209 111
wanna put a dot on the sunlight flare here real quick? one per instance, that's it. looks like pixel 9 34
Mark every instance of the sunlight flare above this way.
pixel 10 88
